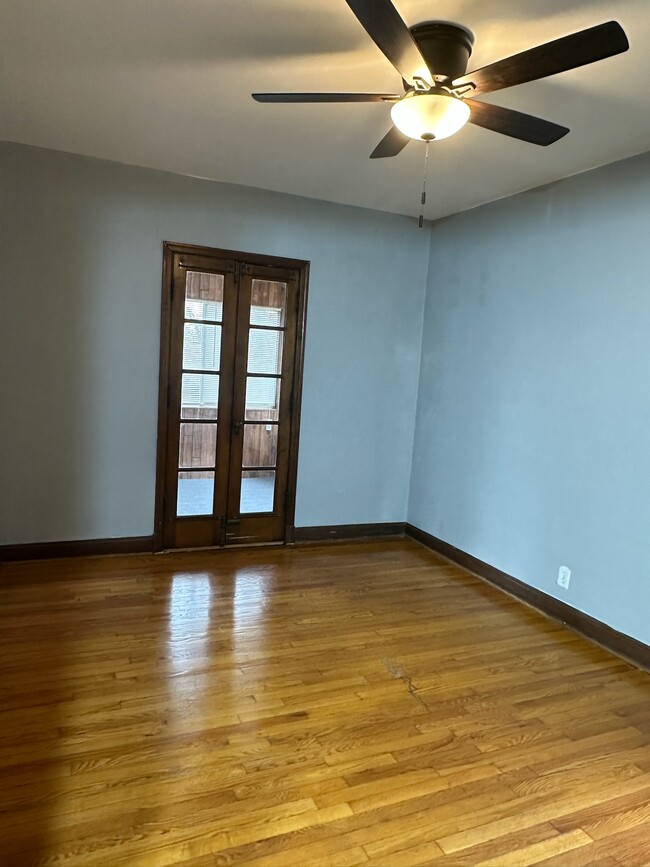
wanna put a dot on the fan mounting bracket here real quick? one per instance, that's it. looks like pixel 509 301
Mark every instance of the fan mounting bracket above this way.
pixel 420 84
pixel 463 89
pixel 446 48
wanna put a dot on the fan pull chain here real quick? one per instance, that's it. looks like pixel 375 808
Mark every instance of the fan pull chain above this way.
pixel 423 198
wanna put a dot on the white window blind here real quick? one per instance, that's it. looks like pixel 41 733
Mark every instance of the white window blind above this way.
pixel 271 316
pixel 201 349
pixel 211 310
pixel 200 390
pixel 263 357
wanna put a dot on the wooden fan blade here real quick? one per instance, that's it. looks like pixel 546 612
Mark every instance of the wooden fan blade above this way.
pixel 392 143
pixel 515 123
pixel 569 52
pixel 326 97
pixel 384 25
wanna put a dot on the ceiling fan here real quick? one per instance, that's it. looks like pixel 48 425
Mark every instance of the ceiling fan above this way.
pixel 432 60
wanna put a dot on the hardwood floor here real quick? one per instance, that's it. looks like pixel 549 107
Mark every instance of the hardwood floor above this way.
pixel 360 703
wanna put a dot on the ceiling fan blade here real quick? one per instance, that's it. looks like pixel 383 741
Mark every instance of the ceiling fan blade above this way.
pixel 569 52
pixel 383 23
pixel 326 97
pixel 392 143
pixel 515 123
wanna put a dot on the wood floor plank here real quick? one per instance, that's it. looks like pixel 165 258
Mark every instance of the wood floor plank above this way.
pixel 501 847
pixel 536 851
pixel 363 703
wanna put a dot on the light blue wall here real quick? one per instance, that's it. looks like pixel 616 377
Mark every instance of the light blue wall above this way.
pixel 532 442
pixel 80 269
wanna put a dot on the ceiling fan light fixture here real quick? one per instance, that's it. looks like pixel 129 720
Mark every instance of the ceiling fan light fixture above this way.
pixel 432 115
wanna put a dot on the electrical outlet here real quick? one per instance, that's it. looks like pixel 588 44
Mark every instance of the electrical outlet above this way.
pixel 564 576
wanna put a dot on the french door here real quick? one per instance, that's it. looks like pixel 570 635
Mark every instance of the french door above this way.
pixel 231 362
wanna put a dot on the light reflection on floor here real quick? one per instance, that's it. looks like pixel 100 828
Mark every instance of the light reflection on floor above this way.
pixel 217 624
pixel 253 590
pixel 190 601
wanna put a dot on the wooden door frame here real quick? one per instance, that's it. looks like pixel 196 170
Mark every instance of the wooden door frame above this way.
pixel 170 248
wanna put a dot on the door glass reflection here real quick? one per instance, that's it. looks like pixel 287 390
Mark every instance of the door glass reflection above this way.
pixel 268 303
pixel 197 445
pixel 203 296
pixel 260 445
pixel 265 351
pixel 199 395
pixel 262 398
pixel 195 493
pixel 201 346
pixel 257 491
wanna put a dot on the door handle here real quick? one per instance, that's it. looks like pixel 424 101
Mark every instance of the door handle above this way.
pixel 237 427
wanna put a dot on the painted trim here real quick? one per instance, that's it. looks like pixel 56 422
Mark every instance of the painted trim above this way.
pixel 616 642
pixel 77 548
pixel 347 531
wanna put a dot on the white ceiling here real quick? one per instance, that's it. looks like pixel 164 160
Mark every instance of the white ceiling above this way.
pixel 166 84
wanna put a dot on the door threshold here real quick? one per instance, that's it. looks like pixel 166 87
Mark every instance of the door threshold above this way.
pixel 222 547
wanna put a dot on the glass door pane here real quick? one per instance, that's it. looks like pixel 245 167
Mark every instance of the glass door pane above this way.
pixel 200 395
pixel 257 491
pixel 260 445
pixel 198 445
pixel 201 346
pixel 262 398
pixel 197 449
pixel 268 303
pixel 265 351
pixel 204 296
pixel 261 430
pixel 195 494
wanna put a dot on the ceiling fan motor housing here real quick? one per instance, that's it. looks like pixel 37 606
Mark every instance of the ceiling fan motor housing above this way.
pixel 445 47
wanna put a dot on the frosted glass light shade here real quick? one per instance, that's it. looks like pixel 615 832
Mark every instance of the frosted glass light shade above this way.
pixel 429 115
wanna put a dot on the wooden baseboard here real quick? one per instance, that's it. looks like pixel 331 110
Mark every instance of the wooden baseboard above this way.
pixel 617 642
pixel 145 544
pixel 79 548
pixel 348 531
